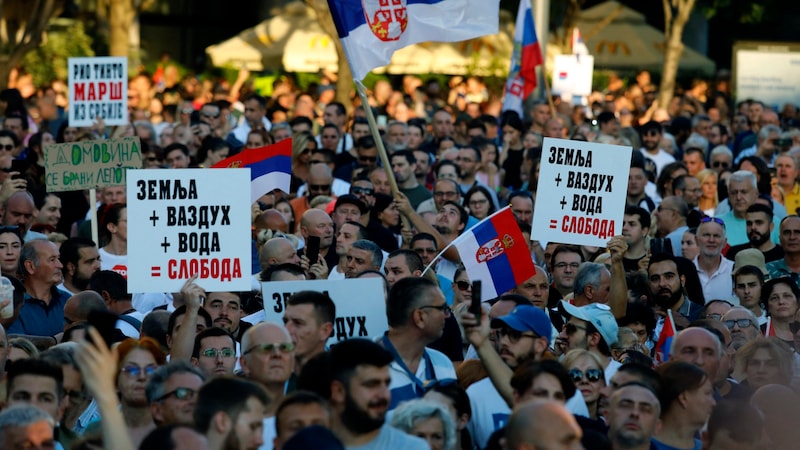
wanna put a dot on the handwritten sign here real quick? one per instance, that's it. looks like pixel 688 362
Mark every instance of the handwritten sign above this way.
pixel 75 166
pixel 189 222
pixel 360 305
pixel 586 185
pixel 98 87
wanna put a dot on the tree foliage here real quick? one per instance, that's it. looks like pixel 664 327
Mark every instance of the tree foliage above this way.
pixel 49 61
pixel 23 24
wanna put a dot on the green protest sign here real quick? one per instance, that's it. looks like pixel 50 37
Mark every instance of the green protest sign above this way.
pixel 82 165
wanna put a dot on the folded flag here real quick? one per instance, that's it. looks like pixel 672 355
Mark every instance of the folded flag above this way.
pixel 270 167
pixel 495 252
pixel 664 343
pixel 372 30
pixel 526 56
pixel 769 330
pixel 578 46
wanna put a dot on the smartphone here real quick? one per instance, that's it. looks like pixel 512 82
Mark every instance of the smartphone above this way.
pixel 312 249
pixel 475 307
pixel 105 323
pixel 660 245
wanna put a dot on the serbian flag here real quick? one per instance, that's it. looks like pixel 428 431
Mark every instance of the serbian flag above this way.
pixel 526 56
pixel 769 330
pixel 578 46
pixel 270 167
pixel 495 252
pixel 664 343
pixel 372 30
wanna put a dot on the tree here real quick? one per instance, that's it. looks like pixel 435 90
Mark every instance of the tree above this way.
pixel 24 23
pixel 344 79
pixel 117 18
pixel 676 14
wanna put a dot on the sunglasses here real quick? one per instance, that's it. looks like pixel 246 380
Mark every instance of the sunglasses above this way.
pixel 741 323
pixel 571 328
pixel 445 309
pixel 463 285
pixel 269 347
pixel 720 164
pixel 592 375
pixel 135 371
pixel 514 335
pixel 180 393
pixel 226 352
pixel 319 187
pixel 7 147
pixel 368 158
pixel 211 116
pixel 716 220
pixel 362 190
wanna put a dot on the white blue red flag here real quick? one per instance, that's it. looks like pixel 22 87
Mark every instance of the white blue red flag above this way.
pixel 495 252
pixel 372 30
pixel 270 167
pixel 526 56
pixel 664 343
pixel 578 46
pixel 769 331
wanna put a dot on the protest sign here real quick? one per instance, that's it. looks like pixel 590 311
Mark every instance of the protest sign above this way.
pixel 572 75
pixel 75 166
pixel 98 87
pixel 360 304
pixel 586 187
pixel 187 222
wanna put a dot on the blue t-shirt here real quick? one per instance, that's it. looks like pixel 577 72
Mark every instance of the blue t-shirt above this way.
pixel 38 318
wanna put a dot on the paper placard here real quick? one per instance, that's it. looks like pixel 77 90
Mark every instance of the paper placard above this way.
pixel 76 166
pixel 98 87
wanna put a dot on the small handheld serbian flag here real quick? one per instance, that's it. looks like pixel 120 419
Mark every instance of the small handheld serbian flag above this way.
pixel 270 167
pixel 372 30
pixel 495 252
pixel 769 330
pixel 664 343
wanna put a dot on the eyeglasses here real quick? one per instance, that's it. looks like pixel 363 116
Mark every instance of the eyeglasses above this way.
pixel 269 347
pixel 7 147
pixel 368 158
pixel 135 371
pixel 724 164
pixel 463 285
pixel 424 250
pixel 741 323
pixel 716 220
pixel 440 194
pixel 478 202
pixel 361 191
pixel 319 187
pixel 714 316
pixel 445 309
pixel 571 328
pixel 226 352
pixel 514 335
pixel 573 266
pixel 592 375
pixel 180 393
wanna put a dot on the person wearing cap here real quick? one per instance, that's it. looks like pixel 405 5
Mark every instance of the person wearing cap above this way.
pixel 748 280
pixel 591 327
pixel 760 228
pixel 348 208
pixel 713 269
pixel 789 265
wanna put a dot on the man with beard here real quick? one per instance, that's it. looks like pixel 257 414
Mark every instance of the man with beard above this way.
pixel 666 287
pixel 80 259
pixel 214 352
pixel 171 393
pixel 225 309
pixel 416 311
pixel 230 412
pixel 760 226
pixel 360 396
pixel 651 145
pixel 714 270
pixel 633 417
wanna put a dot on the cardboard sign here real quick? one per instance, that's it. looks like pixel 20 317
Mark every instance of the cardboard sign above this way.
pixel 360 304
pixel 75 166
pixel 586 185
pixel 98 87
pixel 572 75
pixel 186 222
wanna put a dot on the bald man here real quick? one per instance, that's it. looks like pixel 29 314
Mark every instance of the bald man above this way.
pixel 543 425
pixel 78 307
pixel 278 250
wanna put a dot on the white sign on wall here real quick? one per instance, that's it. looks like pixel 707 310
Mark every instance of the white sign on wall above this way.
pixel 187 222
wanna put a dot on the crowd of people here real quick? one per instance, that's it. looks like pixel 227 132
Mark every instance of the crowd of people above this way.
pixel 573 357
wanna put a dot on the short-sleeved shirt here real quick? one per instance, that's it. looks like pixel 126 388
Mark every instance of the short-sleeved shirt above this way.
pixel 391 438
pixel 38 318
pixel 717 285
pixel 404 388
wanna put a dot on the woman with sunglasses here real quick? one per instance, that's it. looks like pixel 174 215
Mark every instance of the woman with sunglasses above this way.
pixel 10 247
pixel 781 296
pixel 302 145
pixel 687 399
pixel 138 359
pixel 586 371
pixel 764 361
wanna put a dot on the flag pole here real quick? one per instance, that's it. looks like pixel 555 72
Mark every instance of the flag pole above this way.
pixel 373 128
pixel 672 322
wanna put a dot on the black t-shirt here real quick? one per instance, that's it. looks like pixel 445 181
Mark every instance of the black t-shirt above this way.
pixel 774 254
pixel 632 265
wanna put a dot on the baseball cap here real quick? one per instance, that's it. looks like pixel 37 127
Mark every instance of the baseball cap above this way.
pixel 351 200
pixel 526 318
pixel 597 314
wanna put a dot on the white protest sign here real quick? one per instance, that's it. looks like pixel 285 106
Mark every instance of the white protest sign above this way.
pixel 586 187
pixel 98 87
pixel 360 304
pixel 572 75
pixel 187 222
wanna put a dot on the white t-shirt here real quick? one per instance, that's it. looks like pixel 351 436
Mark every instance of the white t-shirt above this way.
pixel 117 263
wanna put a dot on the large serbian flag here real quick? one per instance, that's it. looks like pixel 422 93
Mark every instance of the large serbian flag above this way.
pixel 270 167
pixel 664 343
pixel 526 56
pixel 495 252
pixel 372 30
